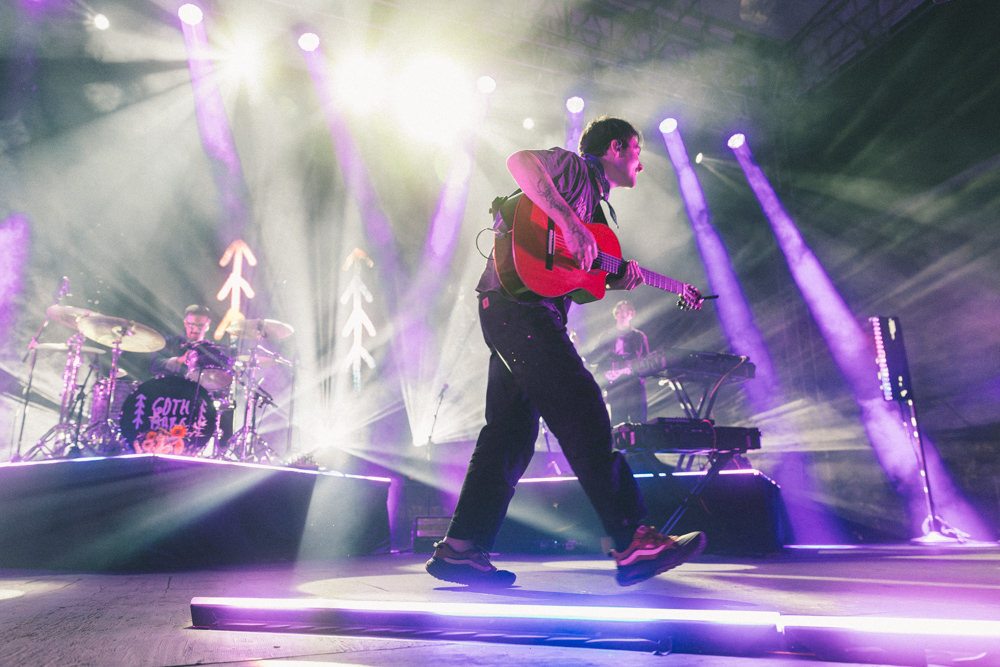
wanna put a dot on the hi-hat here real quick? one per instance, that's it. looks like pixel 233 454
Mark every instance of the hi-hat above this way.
pixel 132 336
pixel 67 316
pixel 63 347
pixel 262 329
pixel 264 358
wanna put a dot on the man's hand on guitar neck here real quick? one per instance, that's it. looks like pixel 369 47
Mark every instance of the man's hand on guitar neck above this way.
pixel 690 298
pixel 629 280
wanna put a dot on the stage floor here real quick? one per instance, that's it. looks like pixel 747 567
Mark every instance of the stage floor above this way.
pixel 78 618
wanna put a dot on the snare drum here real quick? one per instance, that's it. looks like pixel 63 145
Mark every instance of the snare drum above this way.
pixel 166 402
pixel 210 365
pixel 103 405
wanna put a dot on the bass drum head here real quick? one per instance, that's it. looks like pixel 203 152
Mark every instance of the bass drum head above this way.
pixel 164 403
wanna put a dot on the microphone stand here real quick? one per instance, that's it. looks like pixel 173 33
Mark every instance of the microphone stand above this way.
pixel 430 434
pixel 291 404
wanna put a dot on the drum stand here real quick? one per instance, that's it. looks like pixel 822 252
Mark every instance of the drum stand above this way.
pixel 63 440
pixel 246 444
pixel 105 437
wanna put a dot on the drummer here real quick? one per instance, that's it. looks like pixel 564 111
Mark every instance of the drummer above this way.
pixel 174 357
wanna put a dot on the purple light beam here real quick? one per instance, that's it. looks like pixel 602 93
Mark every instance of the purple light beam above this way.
pixel 216 133
pixel 377 228
pixel 15 241
pixel 765 392
pixel 735 316
pixel 854 355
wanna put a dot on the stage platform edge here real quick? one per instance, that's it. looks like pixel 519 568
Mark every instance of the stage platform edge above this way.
pixel 153 512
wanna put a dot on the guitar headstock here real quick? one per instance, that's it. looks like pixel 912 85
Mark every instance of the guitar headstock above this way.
pixel 690 298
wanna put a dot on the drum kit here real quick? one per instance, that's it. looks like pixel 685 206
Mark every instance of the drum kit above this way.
pixel 124 414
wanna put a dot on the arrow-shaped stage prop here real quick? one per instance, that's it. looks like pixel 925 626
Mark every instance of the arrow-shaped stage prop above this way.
pixel 235 284
pixel 358 322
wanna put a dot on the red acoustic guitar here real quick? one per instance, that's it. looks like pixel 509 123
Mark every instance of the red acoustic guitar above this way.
pixel 532 261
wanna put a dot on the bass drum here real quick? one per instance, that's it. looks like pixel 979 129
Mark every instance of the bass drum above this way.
pixel 164 403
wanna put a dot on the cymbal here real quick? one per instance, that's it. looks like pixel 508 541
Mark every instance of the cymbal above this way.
pixel 262 329
pixel 67 316
pixel 63 347
pixel 134 337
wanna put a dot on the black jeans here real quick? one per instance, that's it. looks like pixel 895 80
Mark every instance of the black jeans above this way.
pixel 535 370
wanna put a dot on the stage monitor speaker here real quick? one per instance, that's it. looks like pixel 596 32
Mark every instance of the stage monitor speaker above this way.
pixel 741 513
pixel 427 530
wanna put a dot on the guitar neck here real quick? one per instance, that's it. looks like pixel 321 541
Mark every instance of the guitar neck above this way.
pixel 612 264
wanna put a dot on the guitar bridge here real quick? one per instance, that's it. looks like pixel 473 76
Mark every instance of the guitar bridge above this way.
pixel 550 246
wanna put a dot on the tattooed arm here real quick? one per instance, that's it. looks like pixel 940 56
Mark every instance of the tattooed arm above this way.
pixel 536 183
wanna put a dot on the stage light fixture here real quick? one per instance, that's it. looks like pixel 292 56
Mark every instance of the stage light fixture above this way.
pixel 190 14
pixel 575 104
pixel 245 59
pixel 434 100
pixel 361 83
pixel 528 124
pixel 736 141
pixel 668 125
pixel 698 158
pixel 309 41
pixel 486 84
pixel 101 22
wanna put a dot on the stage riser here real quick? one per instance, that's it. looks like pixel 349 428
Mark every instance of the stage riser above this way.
pixel 154 513
pixel 742 514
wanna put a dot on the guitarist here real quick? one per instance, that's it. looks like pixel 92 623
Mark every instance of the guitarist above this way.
pixel 535 370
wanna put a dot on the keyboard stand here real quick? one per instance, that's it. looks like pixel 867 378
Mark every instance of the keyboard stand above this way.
pixel 717 461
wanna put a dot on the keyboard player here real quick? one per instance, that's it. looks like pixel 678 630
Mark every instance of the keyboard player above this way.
pixel 626 391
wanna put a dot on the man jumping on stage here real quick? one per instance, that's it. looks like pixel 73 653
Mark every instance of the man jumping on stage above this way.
pixel 535 370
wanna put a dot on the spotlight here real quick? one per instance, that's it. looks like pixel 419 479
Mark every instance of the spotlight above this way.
pixel 736 141
pixel 575 104
pixel 486 84
pixel 309 41
pixel 433 99
pixel 362 83
pixel 190 14
pixel 101 22
pixel 698 158
pixel 668 125
pixel 528 124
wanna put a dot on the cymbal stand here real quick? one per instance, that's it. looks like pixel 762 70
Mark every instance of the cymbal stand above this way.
pixel 247 443
pixel 104 437
pixel 27 396
pixel 62 440
pixel 33 351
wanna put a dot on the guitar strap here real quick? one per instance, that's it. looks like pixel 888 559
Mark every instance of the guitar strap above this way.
pixel 596 169
pixel 599 215
pixel 500 212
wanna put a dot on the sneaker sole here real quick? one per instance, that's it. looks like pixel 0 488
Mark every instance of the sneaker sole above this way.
pixel 440 569
pixel 643 576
